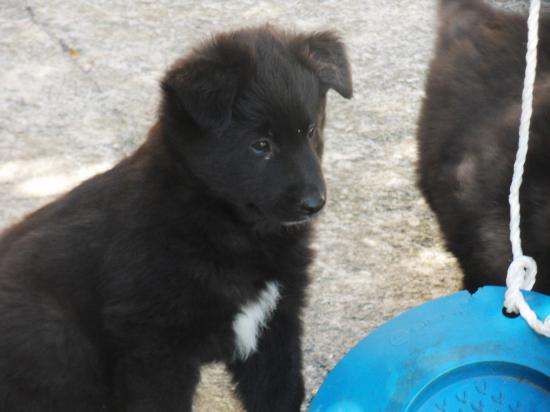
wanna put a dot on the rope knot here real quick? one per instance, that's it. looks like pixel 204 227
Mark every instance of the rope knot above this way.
pixel 522 273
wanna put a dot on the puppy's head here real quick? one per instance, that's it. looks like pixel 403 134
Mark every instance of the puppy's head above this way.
pixel 245 112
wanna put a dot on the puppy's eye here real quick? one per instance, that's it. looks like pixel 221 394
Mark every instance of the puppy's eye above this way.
pixel 261 147
pixel 311 132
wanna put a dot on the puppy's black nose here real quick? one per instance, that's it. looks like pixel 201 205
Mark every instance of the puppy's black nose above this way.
pixel 313 203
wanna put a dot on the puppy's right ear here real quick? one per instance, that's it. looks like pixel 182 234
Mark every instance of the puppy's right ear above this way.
pixel 201 88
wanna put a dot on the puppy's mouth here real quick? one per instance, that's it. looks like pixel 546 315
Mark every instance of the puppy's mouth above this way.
pixel 302 221
pixel 261 215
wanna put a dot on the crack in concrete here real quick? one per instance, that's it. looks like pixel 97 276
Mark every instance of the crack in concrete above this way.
pixel 65 48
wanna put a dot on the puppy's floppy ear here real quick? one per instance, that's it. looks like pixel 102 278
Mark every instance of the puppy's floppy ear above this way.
pixel 202 87
pixel 325 53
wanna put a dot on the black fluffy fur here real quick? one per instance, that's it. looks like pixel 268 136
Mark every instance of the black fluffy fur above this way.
pixel 112 296
pixel 468 135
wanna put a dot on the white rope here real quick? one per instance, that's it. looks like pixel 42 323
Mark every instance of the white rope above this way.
pixel 523 270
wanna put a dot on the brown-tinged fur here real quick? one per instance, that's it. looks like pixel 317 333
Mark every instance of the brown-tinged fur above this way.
pixel 467 140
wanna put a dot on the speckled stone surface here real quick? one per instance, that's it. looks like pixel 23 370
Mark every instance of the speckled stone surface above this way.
pixel 79 88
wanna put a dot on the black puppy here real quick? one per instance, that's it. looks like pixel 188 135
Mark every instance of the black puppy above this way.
pixel 468 135
pixel 194 249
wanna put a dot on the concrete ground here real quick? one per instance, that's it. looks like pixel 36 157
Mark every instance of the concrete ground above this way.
pixel 79 88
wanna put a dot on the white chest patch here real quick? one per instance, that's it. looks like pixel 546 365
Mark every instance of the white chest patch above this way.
pixel 252 318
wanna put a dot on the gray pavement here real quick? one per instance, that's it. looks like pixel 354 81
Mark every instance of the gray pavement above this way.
pixel 79 88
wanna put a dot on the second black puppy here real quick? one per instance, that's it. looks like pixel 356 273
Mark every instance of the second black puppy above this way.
pixel 468 136
pixel 193 249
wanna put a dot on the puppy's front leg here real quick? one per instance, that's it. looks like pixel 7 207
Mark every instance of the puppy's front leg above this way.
pixel 271 379
pixel 155 381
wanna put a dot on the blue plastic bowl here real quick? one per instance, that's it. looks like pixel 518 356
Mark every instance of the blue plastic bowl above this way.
pixel 456 353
